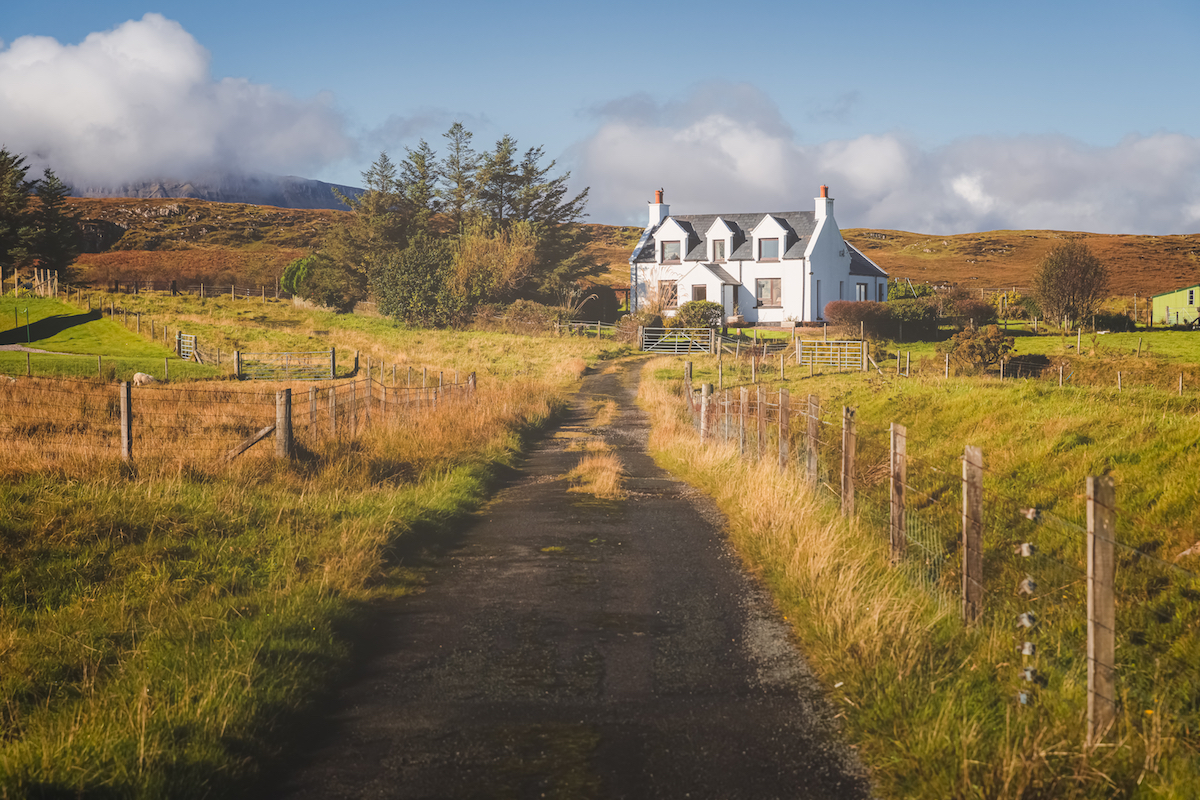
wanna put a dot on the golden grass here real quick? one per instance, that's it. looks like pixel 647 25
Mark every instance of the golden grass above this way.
pixel 598 474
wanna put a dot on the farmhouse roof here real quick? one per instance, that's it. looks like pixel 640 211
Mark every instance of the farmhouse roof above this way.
pixel 800 225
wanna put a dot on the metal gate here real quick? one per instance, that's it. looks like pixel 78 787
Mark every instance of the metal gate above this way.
pixel 186 343
pixel 838 355
pixel 677 341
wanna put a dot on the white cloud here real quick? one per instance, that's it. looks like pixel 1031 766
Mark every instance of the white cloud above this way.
pixel 139 102
pixel 712 161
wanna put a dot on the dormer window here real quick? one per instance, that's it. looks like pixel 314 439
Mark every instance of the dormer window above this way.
pixel 670 252
pixel 719 250
pixel 768 249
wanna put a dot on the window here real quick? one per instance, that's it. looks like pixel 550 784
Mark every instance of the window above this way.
pixel 670 252
pixel 700 292
pixel 719 250
pixel 668 294
pixel 860 291
pixel 817 296
pixel 841 290
pixel 766 290
pixel 881 289
pixel 768 249
pixel 1191 297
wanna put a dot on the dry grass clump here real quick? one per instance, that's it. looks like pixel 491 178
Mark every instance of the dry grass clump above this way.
pixel 598 474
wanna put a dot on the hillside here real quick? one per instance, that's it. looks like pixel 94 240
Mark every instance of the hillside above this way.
pixel 1144 265
pixel 194 240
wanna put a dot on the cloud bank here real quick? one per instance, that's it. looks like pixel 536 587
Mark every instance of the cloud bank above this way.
pixel 139 102
pixel 726 147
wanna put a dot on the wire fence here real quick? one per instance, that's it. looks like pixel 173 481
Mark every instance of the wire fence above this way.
pixel 55 421
pixel 1035 570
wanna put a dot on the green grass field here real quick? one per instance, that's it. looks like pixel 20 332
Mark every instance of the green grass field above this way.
pixel 933 703
pixel 165 622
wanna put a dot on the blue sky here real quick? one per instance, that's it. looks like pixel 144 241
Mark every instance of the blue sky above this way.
pixel 948 118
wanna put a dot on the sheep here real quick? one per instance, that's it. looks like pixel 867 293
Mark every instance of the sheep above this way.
pixel 142 379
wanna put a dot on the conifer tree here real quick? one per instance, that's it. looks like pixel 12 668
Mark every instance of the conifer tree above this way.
pixel 419 178
pixel 56 233
pixel 16 224
pixel 457 171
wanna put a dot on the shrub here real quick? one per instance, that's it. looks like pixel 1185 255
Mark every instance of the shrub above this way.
pixel 697 314
pixel 975 310
pixel 978 348
pixel 850 316
pixel 913 317
pixel 1112 321
pixel 531 314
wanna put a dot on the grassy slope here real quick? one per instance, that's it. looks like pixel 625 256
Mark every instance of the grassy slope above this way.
pixel 196 240
pixel 161 625
pixel 930 701
pixel 1144 265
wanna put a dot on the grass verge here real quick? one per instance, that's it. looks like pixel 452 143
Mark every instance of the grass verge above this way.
pixel 931 702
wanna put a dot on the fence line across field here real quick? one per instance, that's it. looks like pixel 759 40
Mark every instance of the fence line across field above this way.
pixel 54 418
pixel 1045 578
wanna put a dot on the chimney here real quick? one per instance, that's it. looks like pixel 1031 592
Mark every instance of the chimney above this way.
pixel 658 209
pixel 824 204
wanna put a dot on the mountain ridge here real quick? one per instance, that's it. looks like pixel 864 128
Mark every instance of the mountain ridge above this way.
pixel 262 189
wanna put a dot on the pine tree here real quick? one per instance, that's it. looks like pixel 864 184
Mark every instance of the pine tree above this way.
pixel 498 180
pixel 16 223
pixel 380 224
pixel 56 237
pixel 457 171
pixel 419 177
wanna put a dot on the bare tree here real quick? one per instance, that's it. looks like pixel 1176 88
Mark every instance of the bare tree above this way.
pixel 1070 282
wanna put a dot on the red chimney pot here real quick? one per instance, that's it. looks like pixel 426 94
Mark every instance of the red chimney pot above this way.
pixel 658 193
pixel 824 190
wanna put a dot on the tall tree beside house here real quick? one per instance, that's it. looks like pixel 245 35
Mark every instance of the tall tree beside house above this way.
pixel 17 229
pixel 543 200
pixel 498 180
pixel 56 234
pixel 457 171
pixel 1070 282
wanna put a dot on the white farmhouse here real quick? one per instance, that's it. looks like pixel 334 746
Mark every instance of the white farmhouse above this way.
pixel 769 268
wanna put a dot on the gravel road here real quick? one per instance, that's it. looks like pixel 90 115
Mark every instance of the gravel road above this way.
pixel 570 647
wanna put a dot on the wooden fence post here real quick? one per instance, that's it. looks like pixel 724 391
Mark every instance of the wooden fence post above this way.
pixel 761 412
pixel 283 423
pixel 353 410
pixel 705 399
pixel 972 531
pixel 237 364
pixel 849 437
pixel 369 395
pixel 126 400
pixel 785 426
pixel 312 406
pixel 814 437
pixel 743 409
pixel 1101 623
pixel 471 385
pixel 687 387
pixel 333 411
pixel 332 363
pixel 725 413
pixel 899 482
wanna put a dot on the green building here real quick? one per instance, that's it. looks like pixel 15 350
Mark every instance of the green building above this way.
pixel 1177 307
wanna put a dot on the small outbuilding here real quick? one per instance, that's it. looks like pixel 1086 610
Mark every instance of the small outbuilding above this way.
pixel 1176 307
